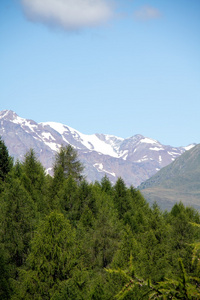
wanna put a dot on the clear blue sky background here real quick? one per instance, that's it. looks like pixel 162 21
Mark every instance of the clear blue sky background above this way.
pixel 130 67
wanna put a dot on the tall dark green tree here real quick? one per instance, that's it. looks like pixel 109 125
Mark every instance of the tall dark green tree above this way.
pixel 121 199
pixel 51 260
pixel 34 172
pixel 6 162
pixel 33 177
pixel 106 185
pixel 106 234
pixel 4 277
pixel 17 212
pixel 68 198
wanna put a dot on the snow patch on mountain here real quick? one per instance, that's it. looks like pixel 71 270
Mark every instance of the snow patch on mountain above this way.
pixel 53 146
pixel 124 154
pixel 148 141
pixel 145 158
pixel 189 147
pixel 100 168
pixel 26 124
pixel 48 136
pixel 91 142
pixel 61 128
pixel 156 148
pixel 172 153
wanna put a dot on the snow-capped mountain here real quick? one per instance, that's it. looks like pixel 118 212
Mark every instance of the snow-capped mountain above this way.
pixel 135 159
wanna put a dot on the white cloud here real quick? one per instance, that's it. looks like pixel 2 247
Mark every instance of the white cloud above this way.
pixel 69 14
pixel 147 13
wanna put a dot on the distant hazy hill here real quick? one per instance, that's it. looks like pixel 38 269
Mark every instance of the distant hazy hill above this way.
pixel 179 181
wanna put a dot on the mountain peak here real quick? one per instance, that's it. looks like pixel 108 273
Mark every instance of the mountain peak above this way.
pixel 135 159
pixel 8 114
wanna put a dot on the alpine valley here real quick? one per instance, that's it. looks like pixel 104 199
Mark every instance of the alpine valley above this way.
pixel 135 159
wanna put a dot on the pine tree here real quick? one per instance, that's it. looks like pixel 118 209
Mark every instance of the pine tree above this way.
pixel 6 162
pixel 51 260
pixel 4 277
pixel 32 175
pixel 106 185
pixel 67 158
pixel 17 212
pixel 107 232
pixel 121 199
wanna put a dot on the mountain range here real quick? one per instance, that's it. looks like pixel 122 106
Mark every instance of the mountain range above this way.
pixel 135 159
pixel 179 181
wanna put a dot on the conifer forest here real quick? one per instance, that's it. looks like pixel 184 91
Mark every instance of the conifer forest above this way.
pixel 64 238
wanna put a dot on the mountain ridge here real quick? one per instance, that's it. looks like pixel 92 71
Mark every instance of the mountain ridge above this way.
pixel 179 181
pixel 135 159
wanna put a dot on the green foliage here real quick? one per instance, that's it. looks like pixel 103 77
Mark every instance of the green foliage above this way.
pixel 32 175
pixel 68 197
pixel 106 185
pixel 196 250
pixel 33 170
pixel 128 246
pixel 4 277
pixel 184 287
pixel 56 185
pixel 17 212
pixel 64 238
pixel 67 169
pixel 73 288
pixel 6 162
pixel 132 281
pixel 67 159
pixel 121 199
pixel 51 260
pixel 106 236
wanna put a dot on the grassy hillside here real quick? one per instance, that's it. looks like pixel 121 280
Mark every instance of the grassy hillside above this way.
pixel 179 181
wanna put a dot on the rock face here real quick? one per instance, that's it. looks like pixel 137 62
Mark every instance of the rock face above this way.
pixel 135 159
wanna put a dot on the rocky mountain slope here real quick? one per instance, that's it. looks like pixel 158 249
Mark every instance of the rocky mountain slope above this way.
pixel 179 181
pixel 135 159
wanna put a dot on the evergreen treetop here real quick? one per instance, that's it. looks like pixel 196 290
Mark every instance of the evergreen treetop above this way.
pixel 67 159
pixel 6 162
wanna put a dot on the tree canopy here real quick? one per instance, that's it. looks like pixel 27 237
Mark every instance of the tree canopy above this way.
pixel 64 238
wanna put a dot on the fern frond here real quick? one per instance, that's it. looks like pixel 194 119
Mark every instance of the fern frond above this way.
pixel 126 289
pixel 119 271
pixel 195 224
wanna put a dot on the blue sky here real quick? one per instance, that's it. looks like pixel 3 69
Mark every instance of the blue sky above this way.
pixel 100 66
